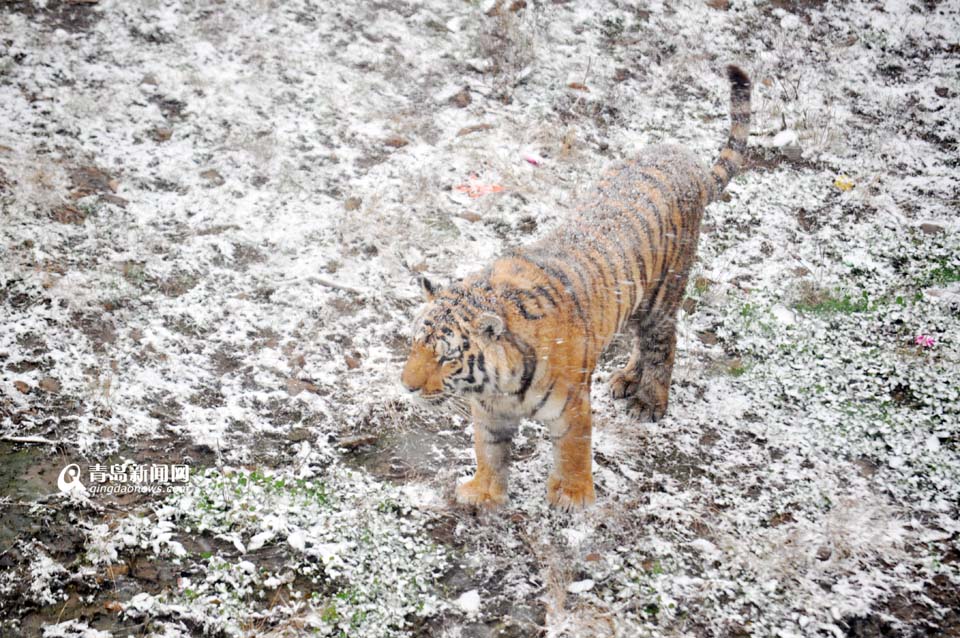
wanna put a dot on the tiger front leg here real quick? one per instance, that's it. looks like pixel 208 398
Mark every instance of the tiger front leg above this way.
pixel 570 485
pixel 491 441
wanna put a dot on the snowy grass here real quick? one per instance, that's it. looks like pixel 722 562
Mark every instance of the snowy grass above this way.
pixel 212 220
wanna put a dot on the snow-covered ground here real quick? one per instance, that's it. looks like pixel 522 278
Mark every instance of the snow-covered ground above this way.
pixel 213 214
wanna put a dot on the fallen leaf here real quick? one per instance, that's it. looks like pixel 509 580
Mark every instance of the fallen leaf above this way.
pixel 578 86
pixel 844 183
pixel 476 128
pixel 475 189
pixel 396 141
pixel 68 214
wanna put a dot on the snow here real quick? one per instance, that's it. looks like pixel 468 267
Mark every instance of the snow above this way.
pixel 806 477
pixel 469 601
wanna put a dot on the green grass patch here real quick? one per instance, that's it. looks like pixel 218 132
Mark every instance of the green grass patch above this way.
pixel 825 302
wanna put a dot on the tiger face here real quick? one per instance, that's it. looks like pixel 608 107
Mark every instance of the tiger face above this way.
pixel 456 352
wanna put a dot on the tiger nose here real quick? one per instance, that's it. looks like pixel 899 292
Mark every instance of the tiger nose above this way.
pixel 408 382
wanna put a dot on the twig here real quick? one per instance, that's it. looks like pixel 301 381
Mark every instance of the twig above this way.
pixel 335 285
pixel 30 439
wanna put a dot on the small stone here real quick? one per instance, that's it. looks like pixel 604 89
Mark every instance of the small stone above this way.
pixel 719 5
pixel 49 384
pixel 150 79
pixel 352 203
pixel 470 217
pixel 396 141
pixel 213 177
pixel 942 91
pixel 21 387
pixel 469 601
pixel 462 99
pixel 517 5
pixel 932 229
pixel 352 360
pixel 580 586
pixel 622 74
pixel 689 305
pixel 161 134
pixel 592 557
pixel 824 553
pixel 578 86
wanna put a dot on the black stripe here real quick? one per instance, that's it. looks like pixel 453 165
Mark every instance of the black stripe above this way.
pixel 529 363
pixel 562 278
pixel 546 293
pixel 514 296
pixel 543 400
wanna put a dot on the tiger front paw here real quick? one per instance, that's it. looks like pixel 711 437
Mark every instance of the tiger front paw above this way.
pixel 482 493
pixel 623 383
pixel 570 494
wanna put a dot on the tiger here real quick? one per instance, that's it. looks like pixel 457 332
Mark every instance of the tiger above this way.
pixel 521 338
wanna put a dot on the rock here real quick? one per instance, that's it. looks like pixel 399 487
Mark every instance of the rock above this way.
pixel 161 134
pixel 689 305
pixel 932 229
pixel 352 203
pixel 461 99
pixel 49 384
pixel 21 387
pixel 719 5
pixel 149 79
pixel 622 75
pixel 396 141
pixel 213 177
pixel 352 360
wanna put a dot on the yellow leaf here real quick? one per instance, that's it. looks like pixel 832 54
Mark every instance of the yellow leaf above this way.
pixel 844 183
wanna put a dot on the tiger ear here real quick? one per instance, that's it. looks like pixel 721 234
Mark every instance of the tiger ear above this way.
pixel 428 289
pixel 490 326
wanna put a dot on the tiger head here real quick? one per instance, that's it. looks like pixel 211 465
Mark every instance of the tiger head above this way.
pixel 460 347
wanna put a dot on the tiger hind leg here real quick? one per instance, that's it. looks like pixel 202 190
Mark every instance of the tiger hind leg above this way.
pixel 657 349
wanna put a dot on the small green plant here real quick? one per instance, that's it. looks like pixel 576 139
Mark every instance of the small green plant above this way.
pixel 821 302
